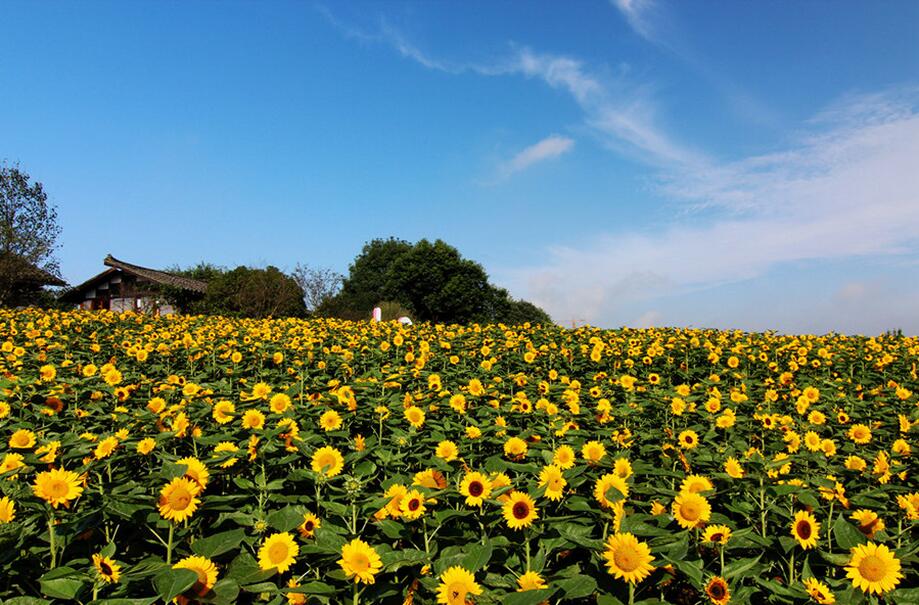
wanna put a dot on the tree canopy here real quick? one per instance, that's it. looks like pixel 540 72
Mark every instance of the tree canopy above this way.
pixel 241 292
pixel 28 238
pixel 430 279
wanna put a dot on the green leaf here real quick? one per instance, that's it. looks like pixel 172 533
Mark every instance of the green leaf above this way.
pixel 245 570
pixel 577 587
pixel 396 559
pixel 906 596
pixel 529 597
pixel 147 601
pixel 170 582
pixel 218 544
pixel 740 566
pixel 313 588
pixel 608 599
pixel 26 601
pixel 847 535
pixel 286 519
pixel 62 583
pixel 478 557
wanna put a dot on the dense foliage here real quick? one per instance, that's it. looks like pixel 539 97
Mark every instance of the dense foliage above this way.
pixel 241 292
pixel 430 279
pixel 220 460
pixel 28 237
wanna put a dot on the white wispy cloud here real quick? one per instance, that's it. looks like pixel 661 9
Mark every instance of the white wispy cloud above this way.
pixel 550 147
pixel 848 191
pixel 638 15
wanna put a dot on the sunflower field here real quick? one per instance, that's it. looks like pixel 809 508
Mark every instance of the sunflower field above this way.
pixel 216 460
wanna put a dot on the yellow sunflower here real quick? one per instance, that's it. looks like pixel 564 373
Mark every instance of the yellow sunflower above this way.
pixel 696 484
pixel 279 403
pixel 476 488
pixel 551 478
pixel 195 470
pixel 106 569
pixel 717 591
pixel 691 510
pixel 530 581
pixel 207 576
pixel 874 568
pixel 563 457
pixel 309 526
pixel 415 416
pixel 805 529
pixel 717 534
pixel 819 592
pixel 733 468
pixel 412 505
pixel 279 551
pixel 628 559
pixel 23 439
pixel 7 510
pixel 330 421
pixel 57 487
pixel 602 490
pixel 519 510
pixel 360 561
pixel 328 461
pixel 688 439
pixel 868 522
pixel 446 451
pixel 456 585
pixel 178 499
pixel 593 452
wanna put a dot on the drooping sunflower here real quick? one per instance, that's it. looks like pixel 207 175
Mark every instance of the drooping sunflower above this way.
pixel 627 558
pixel 106 569
pixel 207 576
pixel 430 478
pixel 717 591
pixel 279 551
pixel 602 490
pixel 360 561
pixel 456 585
pixel 874 568
pixel 819 592
pixel 805 529
pixel 57 487
pixel 309 526
pixel 476 488
pixel 519 510
pixel 412 505
pixel 178 499
pixel 7 510
pixel 553 480
pixel 691 510
pixel 328 461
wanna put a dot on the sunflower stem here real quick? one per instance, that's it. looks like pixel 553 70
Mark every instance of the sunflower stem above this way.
pixel 791 567
pixel 631 593
pixel 829 527
pixel 721 558
pixel 172 529
pixel 52 541
pixel 762 507
pixel 356 594
pixel 527 540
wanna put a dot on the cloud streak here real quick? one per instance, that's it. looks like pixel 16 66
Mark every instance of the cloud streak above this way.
pixel 549 148
pixel 846 192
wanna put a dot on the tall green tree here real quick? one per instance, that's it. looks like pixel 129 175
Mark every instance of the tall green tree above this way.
pixel 431 280
pixel 28 236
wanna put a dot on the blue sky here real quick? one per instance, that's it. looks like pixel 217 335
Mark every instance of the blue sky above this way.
pixel 624 162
